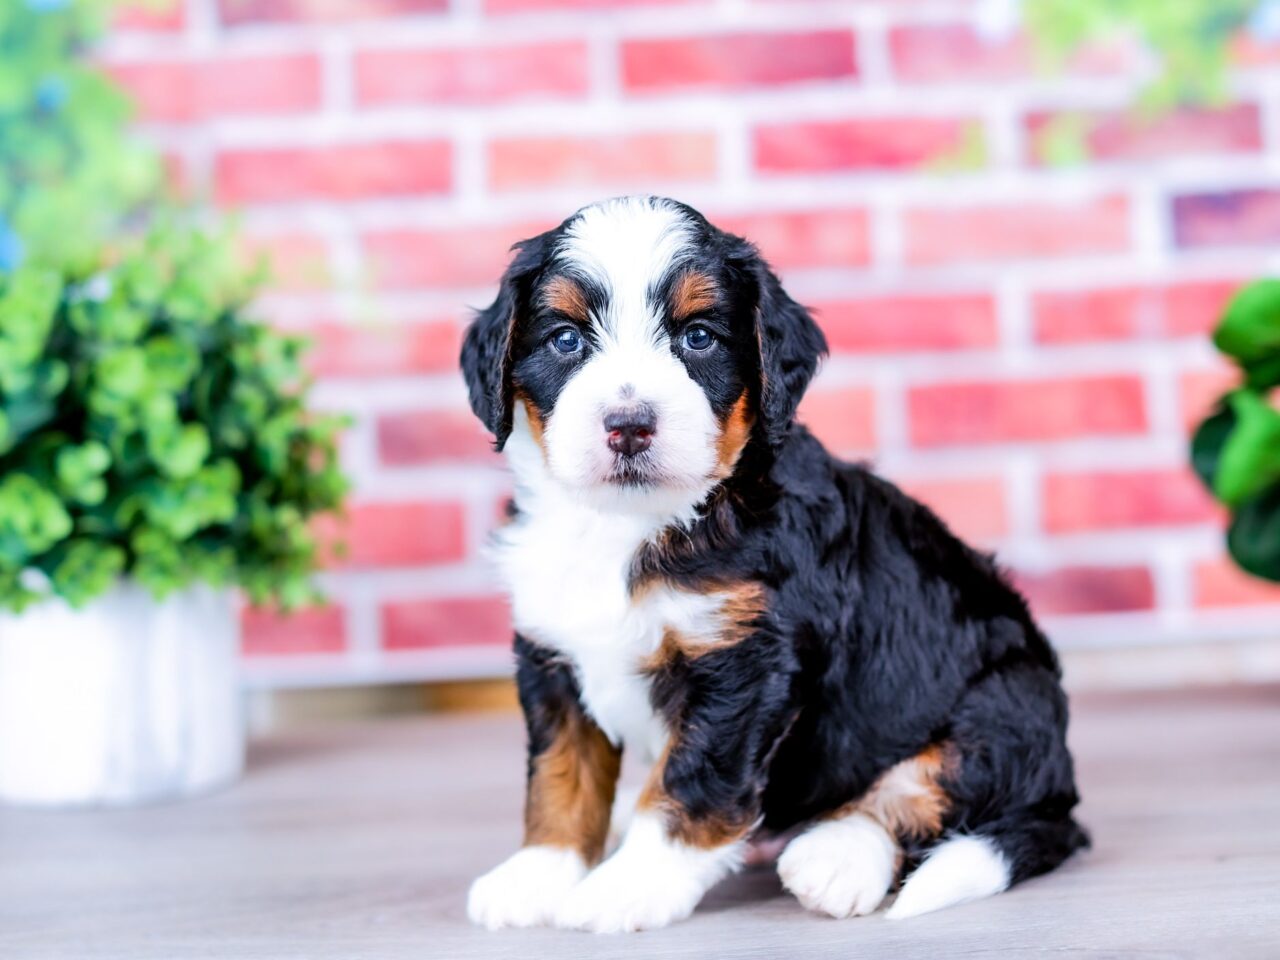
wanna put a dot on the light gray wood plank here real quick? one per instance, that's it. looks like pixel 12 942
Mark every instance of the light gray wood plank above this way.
pixel 359 842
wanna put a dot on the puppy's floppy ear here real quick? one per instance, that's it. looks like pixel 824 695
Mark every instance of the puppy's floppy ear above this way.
pixel 487 347
pixel 791 344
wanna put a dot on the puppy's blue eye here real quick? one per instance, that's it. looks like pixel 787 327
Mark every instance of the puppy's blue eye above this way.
pixel 567 341
pixel 698 338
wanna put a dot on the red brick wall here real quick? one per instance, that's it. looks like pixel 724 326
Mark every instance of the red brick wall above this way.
pixel 1020 345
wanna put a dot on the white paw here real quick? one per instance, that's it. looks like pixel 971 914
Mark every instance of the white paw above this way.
pixel 525 889
pixel 843 868
pixel 616 898
pixel 650 882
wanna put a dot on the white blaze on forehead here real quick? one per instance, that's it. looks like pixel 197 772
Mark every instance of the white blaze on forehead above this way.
pixel 626 246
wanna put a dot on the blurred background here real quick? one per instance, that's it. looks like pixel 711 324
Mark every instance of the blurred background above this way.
pixel 1017 269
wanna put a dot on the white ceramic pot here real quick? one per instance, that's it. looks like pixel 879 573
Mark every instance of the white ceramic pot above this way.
pixel 126 701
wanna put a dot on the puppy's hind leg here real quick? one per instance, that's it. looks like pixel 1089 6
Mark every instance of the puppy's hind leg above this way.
pixel 845 865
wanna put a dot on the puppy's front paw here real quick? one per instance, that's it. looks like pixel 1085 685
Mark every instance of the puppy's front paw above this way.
pixel 619 896
pixel 526 889
pixel 843 868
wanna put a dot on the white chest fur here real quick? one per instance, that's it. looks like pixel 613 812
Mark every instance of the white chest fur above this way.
pixel 566 569
pixel 566 565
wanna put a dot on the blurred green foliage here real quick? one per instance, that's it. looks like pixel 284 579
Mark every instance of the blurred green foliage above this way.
pixel 68 173
pixel 1236 451
pixel 148 427
pixel 1190 41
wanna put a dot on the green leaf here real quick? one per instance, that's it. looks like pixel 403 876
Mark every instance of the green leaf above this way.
pixel 32 519
pixel 171 363
pixel 1263 374
pixel 1250 458
pixel 1208 443
pixel 1254 537
pixel 179 452
pixel 27 307
pixel 123 372
pixel 80 469
pixel 1250 328
pixel 87 569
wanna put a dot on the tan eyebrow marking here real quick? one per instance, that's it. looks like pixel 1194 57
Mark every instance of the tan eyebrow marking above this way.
pixel 567 297
pixel 692 293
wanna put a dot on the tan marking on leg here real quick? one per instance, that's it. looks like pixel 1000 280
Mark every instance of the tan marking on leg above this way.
pixel 692 293
pixel 733 437
pixel 563 295
pixel 571 788
pixel 908 799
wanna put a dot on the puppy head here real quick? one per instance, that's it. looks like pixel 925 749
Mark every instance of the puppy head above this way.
pixel 644 349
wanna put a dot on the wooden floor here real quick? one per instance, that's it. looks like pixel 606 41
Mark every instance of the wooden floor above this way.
pixel 360 842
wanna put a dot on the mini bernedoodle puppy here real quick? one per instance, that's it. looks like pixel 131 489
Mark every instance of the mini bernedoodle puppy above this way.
pixel 797 648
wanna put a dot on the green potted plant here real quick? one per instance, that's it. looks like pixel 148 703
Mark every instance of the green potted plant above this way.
pixel 1236 450
pixel 156 450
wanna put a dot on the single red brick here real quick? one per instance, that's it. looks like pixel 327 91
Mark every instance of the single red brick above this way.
pixel 529 162
pixel 385 349
pixel 1082 590
pixel 1231 218
pixel 1026 410
pixel 1124 313
pixel 446 622
pixel 1200 391
pixel 869 143
pixel 168 17
pixel 341 171
pixel 1016 230
pixel 956 52
pixel 909 323
pixel 270 633
pixel 736 60
pixel 191 91
pixel 480 74
pixel 430 436
pixel 830 237
pixel 1193 309
pixel 843 419
pixel 1221 583
pixel 1074 502
pixel 294 261
pixel 398 534
pixel 973 507
pixel 457 257
pixel 1130 135
pixel 237 12
pixel 526 6
pixel 933 53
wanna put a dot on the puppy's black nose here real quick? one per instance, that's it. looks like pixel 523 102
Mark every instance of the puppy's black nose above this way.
pixel 631 431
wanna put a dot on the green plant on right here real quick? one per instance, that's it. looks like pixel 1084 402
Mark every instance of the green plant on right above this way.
pixel 1236 451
